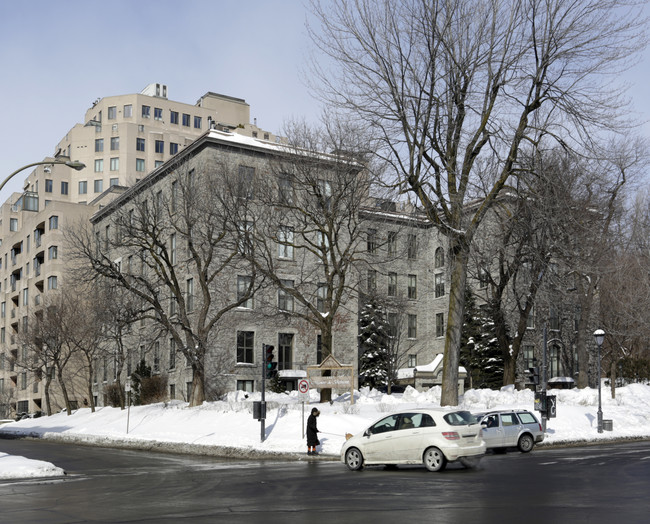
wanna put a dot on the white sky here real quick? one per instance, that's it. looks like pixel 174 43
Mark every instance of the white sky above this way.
pixel 56 58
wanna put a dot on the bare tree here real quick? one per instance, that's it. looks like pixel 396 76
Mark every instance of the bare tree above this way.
pixel 454 89
pixel 174 247
pixel 308 224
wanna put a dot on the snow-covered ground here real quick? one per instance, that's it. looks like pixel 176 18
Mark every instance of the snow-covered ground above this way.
pixel 227 427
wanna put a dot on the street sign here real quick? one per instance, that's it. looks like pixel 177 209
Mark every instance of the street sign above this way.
pixel 303 386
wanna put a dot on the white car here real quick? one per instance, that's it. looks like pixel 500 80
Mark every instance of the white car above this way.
pixel 509 428
pixel 432 437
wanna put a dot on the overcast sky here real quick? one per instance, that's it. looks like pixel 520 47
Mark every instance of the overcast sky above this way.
pixel 57 57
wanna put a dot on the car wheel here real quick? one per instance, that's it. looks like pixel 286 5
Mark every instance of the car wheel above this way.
pixel 353 459
pixel 434 460
pixel 525 443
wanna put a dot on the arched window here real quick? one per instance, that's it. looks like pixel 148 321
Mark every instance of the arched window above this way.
pixel 440 257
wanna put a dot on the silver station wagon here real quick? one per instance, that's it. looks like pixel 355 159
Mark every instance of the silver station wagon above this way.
pixel 420 436
pixel 511 428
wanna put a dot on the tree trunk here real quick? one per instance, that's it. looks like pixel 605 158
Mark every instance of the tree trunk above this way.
pixel 326 350
pixel 91 398
pixel 48 401
pixel 198 384
pixel 451 357
pixel 64 390
pixel 612 377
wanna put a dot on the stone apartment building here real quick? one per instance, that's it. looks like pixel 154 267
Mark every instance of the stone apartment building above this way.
pixel 120 140
pixel 400 258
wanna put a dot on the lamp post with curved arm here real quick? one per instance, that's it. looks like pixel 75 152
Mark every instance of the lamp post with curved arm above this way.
pixel 74 164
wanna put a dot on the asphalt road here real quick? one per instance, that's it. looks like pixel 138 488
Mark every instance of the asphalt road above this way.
pixel 595 484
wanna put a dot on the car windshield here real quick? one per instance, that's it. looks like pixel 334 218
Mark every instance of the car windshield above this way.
pixel 460 418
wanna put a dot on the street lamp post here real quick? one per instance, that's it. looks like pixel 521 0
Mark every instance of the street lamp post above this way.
pixel 74 164
pixel 599 335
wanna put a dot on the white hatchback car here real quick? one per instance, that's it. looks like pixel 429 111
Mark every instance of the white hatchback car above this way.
pixel 509 428
pixel 431 437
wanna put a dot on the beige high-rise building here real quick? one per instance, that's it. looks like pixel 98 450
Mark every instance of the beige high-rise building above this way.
pixel 120 140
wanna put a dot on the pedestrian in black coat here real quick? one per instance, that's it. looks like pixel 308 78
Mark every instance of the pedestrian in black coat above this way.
pixel 312 432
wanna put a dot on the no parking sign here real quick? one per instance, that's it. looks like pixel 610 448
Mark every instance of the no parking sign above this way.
pixel 303 389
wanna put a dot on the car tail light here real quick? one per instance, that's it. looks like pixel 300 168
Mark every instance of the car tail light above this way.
pixel 540 428
pixel 451 435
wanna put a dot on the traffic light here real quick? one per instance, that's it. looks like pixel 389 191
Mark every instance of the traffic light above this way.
pixel 271 368
pixel 534 374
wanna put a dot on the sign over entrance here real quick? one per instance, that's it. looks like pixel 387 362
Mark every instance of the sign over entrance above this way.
pixel 340 377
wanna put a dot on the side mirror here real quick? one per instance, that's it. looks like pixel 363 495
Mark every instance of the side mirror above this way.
pixel 367 433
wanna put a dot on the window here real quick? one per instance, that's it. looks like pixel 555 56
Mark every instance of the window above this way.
pixel 98 186
pixel 174 196
pixel 23 380
pixel 112 112
pixel 440 324
pixel 13 224
pixel 25 297
pixel 324 194
pixel 172 248
pixel 554 320
pixel 244 291
pixel 530 320
pixel 54 222
pixel 197 122
pixel 412 361
pixel 439 258
pixel 321 297
pixel 392 284
pixel 245 346
pixel 173 148
pixel 529 356
pixel 285 299
pixel 246 180
pixel 392 320
pixel 99 145
pixel 3 310
pixel 412 290
pixel 160 146
pixel 439 279
pixel 186 120
pixel 146 112
pixel 412 321
pixel 371 241
pixel 371 282
pixel 128 111
pixel 285 350
pixel 156 357
pixel 51 282
pixel 483 277
pixel 245 385
pixel 139 144
pixel 412 246
pixel 189 294
pixel 157 113
pixel 285 189
pixel 139 164
pixel 115 143
pixel 244 230
pixel 115 164
pixel 48 185
pixel 64 188
pixel 52 252
pixel 285 242
pixel 172 353
pixel 99 165
pixel 392 243
pixel 173 117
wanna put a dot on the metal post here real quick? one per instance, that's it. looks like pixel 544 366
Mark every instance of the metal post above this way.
pixel 600 409
pixel 544 377
pixel 262 420
pixel 599 335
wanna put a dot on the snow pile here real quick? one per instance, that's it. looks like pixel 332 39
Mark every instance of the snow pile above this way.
pixel 228 427
pixel 12 467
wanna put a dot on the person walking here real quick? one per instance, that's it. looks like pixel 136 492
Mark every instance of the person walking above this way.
pixel 312 432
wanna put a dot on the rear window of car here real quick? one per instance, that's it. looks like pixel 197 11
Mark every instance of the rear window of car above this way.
pixel 527 418
pixel 460 418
